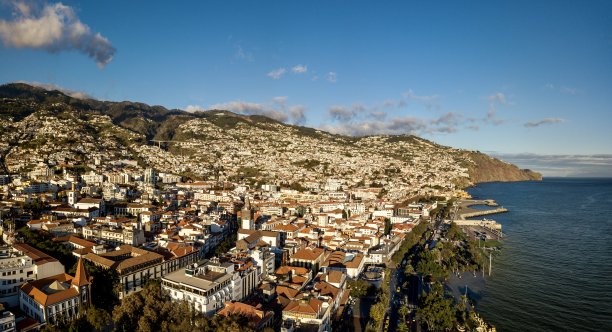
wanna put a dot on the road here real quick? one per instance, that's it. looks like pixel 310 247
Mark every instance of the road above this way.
pixel 394 298
pixel 415 282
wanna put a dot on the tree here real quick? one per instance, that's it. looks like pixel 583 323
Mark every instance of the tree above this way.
pixel 42 241
pixel 104 286
pixel 301 210
pixel 360 288
pixel 387 226
pixel 152 310
pixel 454 233
pixel 97 318
pixel 428 264
pixel 377 312
pixel 226 245
pixel 402 327
pixel 403 311
pixel 409 270
pixel 436 310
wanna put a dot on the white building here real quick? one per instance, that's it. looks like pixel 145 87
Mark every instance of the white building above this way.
pixel 21 263
pixel 150 176
pixel 61 296
pixel 209 284
pixel 92 178
pixel 7 321
pixel 206 286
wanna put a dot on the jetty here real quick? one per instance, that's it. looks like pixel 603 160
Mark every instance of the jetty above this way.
pixel 480 213
pixel 463 212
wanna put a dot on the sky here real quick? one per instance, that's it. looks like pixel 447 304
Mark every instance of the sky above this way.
pixel 527 81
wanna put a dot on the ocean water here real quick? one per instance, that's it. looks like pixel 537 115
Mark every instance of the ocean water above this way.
pixel 554 272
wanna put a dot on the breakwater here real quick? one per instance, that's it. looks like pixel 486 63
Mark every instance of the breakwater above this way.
pixel 480 213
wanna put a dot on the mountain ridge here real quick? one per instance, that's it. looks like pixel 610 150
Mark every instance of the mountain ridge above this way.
pixel 133 125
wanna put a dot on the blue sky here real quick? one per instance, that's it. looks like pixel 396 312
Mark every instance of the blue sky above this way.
pixel 519 79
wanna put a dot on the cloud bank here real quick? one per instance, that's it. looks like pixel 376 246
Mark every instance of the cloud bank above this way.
pixel 54 28
pixel 357 120
pixel 277 109
pixel 595 165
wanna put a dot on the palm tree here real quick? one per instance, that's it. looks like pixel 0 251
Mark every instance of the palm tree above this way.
pixel 403 311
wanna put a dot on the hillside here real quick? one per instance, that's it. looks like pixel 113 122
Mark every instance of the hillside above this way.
pixel 49 127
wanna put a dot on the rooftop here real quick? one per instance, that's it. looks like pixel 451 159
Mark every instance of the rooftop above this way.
pixel 204 282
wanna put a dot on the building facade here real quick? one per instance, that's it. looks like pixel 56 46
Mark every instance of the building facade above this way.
pixel 20 263
pixel 57 297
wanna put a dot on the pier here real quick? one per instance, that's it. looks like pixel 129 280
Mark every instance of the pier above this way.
pixel 479 213
pixel 463 212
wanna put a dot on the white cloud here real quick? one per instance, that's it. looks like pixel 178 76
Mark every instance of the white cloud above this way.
pixel 194 108
pixel 247 108
pixel 395 126
pixel 277 74
pixel 332 77
pixel 276 109
pixel 299 69
pixel 533 124
pixel 350 123
pixel 68 92
pixel 55 28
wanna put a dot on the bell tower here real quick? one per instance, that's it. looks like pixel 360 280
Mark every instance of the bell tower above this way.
pixel 73 196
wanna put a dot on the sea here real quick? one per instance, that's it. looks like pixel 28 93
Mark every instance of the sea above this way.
pixel 554 272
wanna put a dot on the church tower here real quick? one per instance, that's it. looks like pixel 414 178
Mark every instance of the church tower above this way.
pixel 82 285
pixel 247 220
pixel 73 196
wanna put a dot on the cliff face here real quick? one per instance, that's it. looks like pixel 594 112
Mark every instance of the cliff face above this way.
pixel 488 169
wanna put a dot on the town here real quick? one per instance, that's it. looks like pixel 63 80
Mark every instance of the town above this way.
pixel 235 216
pixel 281 256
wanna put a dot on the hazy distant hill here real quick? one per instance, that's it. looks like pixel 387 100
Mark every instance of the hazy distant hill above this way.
pixel 52 126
